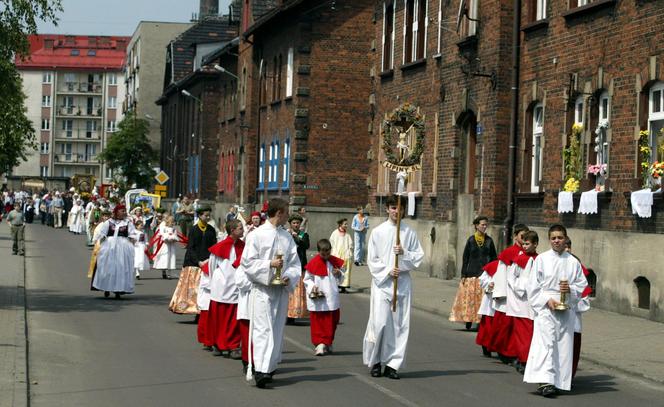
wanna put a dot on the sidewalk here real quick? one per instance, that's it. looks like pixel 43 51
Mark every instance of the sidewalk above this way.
pixel 13 349
pixel 627 344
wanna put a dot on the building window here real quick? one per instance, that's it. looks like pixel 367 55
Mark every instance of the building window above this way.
pixel 46 77
pixel 230 175
pixel 285 174
pixel 388 35
pixel 65 150
pixel 43 171
pixel 75 52
pixel 274 79
pixel 536 160
pixel 68 128
pixel 112 102
pixel 408 28
pixel 579 115
pixel 420 29
pixel 243 91
pixel 656 121
pixel 536 10
pixel 109 172
pixel 46 124
pixel 279 69
pixel 261 167
pixel 112 79
pixel 111 126
pixel 90 129
pixel 273 165
pixel 46 101
pixel 289 73
pixel 643 292
pixel 43 148
pixel 469 26
pixel 440 25
pixel 599 143
pixel 263 83
pixel 222 169
pixel 578 3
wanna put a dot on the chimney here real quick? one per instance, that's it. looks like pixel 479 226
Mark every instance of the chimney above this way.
pixel 208 8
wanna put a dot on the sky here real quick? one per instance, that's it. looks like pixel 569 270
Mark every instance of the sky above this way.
pixel 119 17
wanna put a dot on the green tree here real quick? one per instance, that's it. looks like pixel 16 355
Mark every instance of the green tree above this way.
pixel 18 18
pixel 128 151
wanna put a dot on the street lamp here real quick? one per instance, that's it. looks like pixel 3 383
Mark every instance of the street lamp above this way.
pixel 223 70
pixel 189 95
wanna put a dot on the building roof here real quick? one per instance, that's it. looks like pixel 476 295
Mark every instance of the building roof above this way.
pixel 209 30
pixel 267 13
pixel 223 49
pixel 75 52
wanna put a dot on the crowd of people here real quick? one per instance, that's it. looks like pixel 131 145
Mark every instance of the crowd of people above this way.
pixel 247 280
pixel 529 307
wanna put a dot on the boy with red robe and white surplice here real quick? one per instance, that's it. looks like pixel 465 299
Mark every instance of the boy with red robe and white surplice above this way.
pixel 203 302
pixel 322 278
pixel 222 317
pixel 502 324
pixel 485 330
pixel 518 309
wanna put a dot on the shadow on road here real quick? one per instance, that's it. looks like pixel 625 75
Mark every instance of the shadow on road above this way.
pixel 286 381
pixel 592 384
pixel 437 373
pixel 301 360
pixel 55 301
pixel 8 296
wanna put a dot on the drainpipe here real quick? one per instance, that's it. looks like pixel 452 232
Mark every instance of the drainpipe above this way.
pixel 514 122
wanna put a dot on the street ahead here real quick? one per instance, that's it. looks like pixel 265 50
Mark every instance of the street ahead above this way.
pixel 85 350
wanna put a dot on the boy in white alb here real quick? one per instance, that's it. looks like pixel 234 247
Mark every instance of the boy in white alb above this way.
pixel 321 279
pixel 551 351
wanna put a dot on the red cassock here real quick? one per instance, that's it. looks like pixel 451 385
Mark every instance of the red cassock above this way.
pixel 522 328
pixel 204 329
pixel 323 326
pixel 244 338
pixel 485 330
pixel 502 323
pixel 222 317
pixel 224 326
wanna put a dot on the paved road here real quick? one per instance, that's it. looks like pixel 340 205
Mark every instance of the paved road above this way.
pixel 89 351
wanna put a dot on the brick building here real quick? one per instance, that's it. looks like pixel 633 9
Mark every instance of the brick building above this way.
pixel 614 75
pixel 190 105
pixel 296 125
pixel 457 73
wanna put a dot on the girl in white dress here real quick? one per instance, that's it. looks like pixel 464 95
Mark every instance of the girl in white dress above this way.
pixel 168 237
pixel 141 261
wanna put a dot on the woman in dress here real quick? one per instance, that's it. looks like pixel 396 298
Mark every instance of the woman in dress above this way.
pixel 115 262
pixel 342 247
pixel 360 225
pixel 297 300
pixel 479 251
pixel 168 237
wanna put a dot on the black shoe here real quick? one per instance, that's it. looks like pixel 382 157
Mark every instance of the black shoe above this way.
pixel 342 290
pixel 375 370
pixel 107 294
pixel 290 321
pixel 14 253
pixel 208 348
pixel 505 359
pixel 357 263
pixel 117 296
pixel 469 325
pixel 261 380
pixel 547 390
pixel 217 352
pixel 520 367
pixel 391 373
pixel 236 354
pixel 486 352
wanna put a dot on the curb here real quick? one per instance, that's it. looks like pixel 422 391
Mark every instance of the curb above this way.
pixel 22 386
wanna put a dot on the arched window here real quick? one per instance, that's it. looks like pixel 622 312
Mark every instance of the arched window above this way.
pixel 643 291
pixel 592 282
pixel 469 144
pixel 536 157
pixel 656 121
pixel 579 111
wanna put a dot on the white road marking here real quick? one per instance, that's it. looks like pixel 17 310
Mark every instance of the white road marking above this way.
pixel 389 393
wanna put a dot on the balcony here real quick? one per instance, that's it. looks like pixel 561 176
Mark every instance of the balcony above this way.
pixel 79 111
pixel 79 135
pixel 81 88
pixel 90 159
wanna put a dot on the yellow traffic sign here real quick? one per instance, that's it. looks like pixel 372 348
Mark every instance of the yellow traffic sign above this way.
pixel 162 178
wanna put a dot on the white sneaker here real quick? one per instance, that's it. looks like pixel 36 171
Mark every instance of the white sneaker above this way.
pixel 320 350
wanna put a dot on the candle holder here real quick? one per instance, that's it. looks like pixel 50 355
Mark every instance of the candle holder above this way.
pixel 277 275
pixel 562 306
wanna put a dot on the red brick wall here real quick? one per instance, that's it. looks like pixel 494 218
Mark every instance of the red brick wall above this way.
pixel 611 49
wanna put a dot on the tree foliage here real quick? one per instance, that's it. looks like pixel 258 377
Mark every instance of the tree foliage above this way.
pixel 18 19
pixel 129 151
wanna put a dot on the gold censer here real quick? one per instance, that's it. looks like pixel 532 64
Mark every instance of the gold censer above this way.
pixel 277 275
pixel 562 306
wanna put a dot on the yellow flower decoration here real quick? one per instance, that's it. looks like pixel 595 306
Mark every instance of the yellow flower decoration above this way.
pixel 572 185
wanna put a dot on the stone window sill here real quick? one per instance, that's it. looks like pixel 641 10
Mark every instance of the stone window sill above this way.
pixel 587 9
pixel 536 26
pixel 414 64
pixel 387 74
